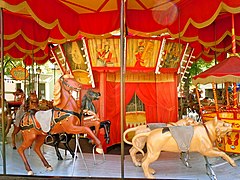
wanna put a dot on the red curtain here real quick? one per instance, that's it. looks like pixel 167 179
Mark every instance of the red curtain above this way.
pixel 167 106
pixel 160 100
pixel 147 93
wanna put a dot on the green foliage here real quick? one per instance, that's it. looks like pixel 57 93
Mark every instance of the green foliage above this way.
pixel 200 66
pixel 10 63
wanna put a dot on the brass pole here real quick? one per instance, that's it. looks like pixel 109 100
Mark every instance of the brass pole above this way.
pixel 235 95
pixel 198 99
pixel 215 98
pixel 2 94
pixel 227 94
pixel 122 81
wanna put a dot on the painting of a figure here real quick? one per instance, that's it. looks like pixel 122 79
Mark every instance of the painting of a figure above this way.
pixel 172 55
pixel 74 55
pixel 104 52
pixel 142 52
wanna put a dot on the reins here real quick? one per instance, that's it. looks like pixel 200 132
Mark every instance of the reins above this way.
pixel 208 133
pixel 67 111
pixel 70 89
pixel 68 85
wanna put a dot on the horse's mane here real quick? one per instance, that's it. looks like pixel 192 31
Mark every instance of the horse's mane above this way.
pixel 57 90
pixel 83 103
pixel 87 102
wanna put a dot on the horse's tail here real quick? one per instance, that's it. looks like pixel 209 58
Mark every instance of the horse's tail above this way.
pixel 138 136
pixel 126 132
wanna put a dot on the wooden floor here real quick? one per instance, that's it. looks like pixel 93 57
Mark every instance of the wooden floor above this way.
pixel 169 166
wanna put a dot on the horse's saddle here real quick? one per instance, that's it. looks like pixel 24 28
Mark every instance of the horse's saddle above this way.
pixel 183 136
pixel 44 119
pixel 19 115
pixel 153 126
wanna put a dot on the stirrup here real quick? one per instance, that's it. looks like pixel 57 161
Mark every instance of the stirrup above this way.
pixel 94 156
pixel 63 138
pixel 49 139
pixel 185 157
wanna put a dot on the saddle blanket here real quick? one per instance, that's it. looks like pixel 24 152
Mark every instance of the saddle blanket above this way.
pixel 183 136
pixel 153 126
pixel 44 119
pixel 19 115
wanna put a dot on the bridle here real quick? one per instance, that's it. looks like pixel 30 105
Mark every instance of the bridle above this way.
pixel 68 85
pixel 208 133
pixel 71 88
pixel 68 113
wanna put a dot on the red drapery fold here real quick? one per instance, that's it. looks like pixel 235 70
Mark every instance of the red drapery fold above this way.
pixel 147 93
pixel 113 107
pixel 167 101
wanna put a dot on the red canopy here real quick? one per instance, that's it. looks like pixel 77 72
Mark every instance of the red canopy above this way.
pixel 226 71
pixel 57 21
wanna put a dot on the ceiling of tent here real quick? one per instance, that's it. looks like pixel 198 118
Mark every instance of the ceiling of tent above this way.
pixel 30 25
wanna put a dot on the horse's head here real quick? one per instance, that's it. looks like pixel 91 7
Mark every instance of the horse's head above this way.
pixel 69 83
pixel 66 83
pixel 32 101
pixel 33 97
pixel 93 95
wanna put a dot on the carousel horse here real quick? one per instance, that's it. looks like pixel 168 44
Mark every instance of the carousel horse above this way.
pixel 13 107
pixel 64 117
pixel 90 119
pixel 202 141
pixel 3 109
pixel 31 104
pixel 56 138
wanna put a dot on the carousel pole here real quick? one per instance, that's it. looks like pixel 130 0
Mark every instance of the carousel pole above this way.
pixel 234 53
pixel 181 89
pixel 198 99
pixel 25 80
pixel 122 80
pixel 233 36
pixel 2 94
pixel 234 95
pixel 227 94
pixel 215 97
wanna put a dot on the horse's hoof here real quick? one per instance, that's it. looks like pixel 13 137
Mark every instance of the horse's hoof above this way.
pixel 138 164
pixel 234 164
pixel 152 171
pixel 14 147
pixel 60 158
pixel 90 141
pixel 107 140
pixel 30 173
pixel 99 150
pixel 49 168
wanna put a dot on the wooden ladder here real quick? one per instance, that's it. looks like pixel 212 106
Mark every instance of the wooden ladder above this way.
pixel 60 58
pixel 185 64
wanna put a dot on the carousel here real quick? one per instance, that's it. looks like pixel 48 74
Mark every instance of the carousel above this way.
pixel 226 99
pixel 129 72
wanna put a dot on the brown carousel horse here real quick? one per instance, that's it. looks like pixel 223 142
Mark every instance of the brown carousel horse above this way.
pixel 31 105
pixel 90 119
pixel 64 117
pixel 12 108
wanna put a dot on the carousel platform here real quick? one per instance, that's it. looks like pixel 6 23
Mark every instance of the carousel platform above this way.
pixel 169 166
